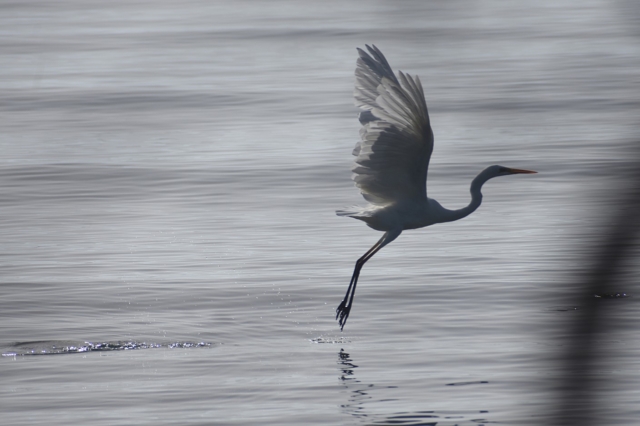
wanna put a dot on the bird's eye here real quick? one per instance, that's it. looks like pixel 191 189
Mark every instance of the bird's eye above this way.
pixel 503 169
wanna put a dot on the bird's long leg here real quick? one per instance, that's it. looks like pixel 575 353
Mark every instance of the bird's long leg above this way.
pixel 345 306
pixel 343 310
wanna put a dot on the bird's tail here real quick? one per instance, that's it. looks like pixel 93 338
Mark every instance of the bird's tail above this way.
pixel 350 211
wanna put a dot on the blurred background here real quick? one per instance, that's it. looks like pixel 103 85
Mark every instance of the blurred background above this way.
pixel 169 173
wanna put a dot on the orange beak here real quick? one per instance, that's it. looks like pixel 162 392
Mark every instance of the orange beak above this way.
pixel 515 171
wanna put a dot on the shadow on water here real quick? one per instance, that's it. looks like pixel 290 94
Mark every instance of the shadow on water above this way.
pixel 62 347
pixel 578 389
pixel 360 395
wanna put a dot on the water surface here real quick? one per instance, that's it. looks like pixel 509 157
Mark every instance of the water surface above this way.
pixel 168 181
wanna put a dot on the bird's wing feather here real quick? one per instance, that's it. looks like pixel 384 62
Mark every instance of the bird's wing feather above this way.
pixel 396 138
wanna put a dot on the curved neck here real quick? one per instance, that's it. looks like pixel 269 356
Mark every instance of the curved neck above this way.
pixel 476 197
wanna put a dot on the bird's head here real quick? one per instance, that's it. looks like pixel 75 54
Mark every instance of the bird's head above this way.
pixel 496 171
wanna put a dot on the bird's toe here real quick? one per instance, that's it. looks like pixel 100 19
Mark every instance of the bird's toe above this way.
pixel 342 314
pixel 340 309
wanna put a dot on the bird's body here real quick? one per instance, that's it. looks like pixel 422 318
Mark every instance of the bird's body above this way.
pixel 400 215
pixel 393 159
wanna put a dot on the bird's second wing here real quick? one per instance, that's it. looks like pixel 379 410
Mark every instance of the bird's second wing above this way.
pixel 396 138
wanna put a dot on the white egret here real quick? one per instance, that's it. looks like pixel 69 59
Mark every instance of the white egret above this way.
pixel 392 160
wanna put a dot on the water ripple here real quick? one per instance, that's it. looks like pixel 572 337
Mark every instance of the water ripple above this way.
pixel 59 348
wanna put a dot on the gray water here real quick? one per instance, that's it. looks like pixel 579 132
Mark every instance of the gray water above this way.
pixel 168 179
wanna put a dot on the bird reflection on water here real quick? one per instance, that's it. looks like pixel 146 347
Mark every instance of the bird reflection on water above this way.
pixel 357 394
pixel 360 394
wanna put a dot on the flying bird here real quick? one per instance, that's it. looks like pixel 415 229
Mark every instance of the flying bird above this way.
pixel 392 159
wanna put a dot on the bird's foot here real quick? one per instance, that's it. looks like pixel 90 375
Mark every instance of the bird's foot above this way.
pixel 342 313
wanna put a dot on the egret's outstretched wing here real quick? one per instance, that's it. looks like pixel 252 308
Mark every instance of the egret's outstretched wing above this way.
pixel 396 138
